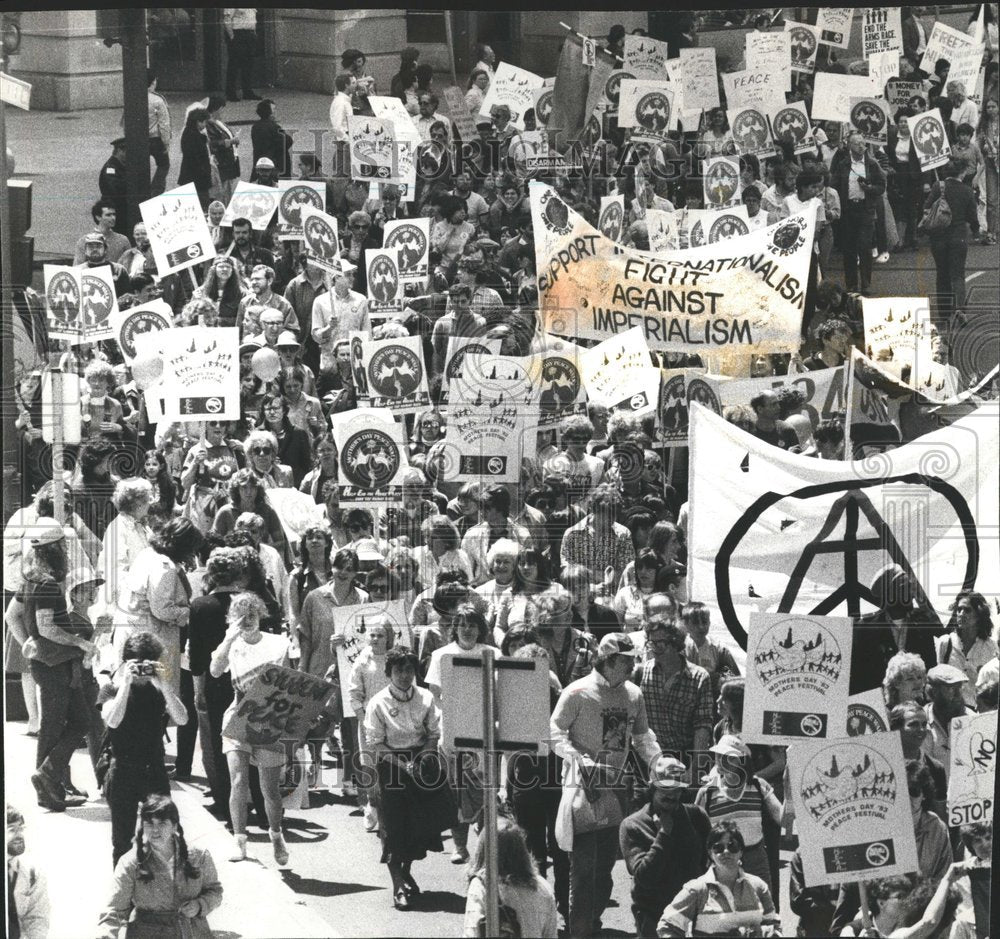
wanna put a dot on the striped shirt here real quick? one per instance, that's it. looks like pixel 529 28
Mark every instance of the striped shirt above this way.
pixel 747 812
pixel 709 908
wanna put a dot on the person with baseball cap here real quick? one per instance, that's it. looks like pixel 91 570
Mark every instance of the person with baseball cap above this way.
pixel 945 685
pixel 596 722
pixel 663 844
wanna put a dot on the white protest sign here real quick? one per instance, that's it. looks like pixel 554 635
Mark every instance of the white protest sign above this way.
pixel 589 52
pixel 372 458
pixel 834 25
pixel 177 230
pixel 385 287
pixel 700 77
pixel 514 87
pixel 804 42
pixel 14 91
pixel 355 623
pixel 201 373
pixel 832 95
pixel 296 195
pixel 411 237
pixel 62 302
pixel 648 108
pixel 664 229
pixel 966 69
pixel 645 57
pixel 390 108
pixel 945 42
pixel 722 185
pixel 611 93
pixel 798 677
pixel 871 117
pixel 866 713
pixel 253 201
pixel 394 376
pixel 930 139
pixel 700 227
pixel 619 374
pixel 791 123
pixel 759 88
pixel 898 93
pixel 852 809
pixel 459 113
pixel 881 67
pixel 611 220
pixel 972 778
pixel 98 303
pixel 561 389
pixel 458 348
pixel 321 239
pixel 148 318
pixel 373 150
pixel 768 53
pixel 881 30
pixel 296 511
pixel 751 132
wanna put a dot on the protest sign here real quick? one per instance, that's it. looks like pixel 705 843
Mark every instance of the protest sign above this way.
pixel 768 53
pixel 648 108
pixel 707 226
pixel 832 95
pixel 374 152
pixel 646 57
pixel 296 511
pixel 804 43
pixel 751 132
pixel 296 195
pixel 898 332
pixel 321 239
pixel 945 42
pixel 458 348
pixel 700 78
pixel 394 376
pixel 834 25
pixel 543 102
pixel 611 220
pixel 62 302
pixel 972 779
pixel 355 623
pixel 930 139
pixel 619 374
pixel 672 415
pixel 147 318
pixel 866 713
pixel 177 230
pixel 611 93
pixel 201 373
pixel 871 117
pixel 385 287
pixel 98 303
pixel 664 230
pixel 278 707
pixel 458 111
pixel 798 676
pixel 514 87
pixel 759 88
pixel 966 70
pixel 852 808
pixel 411 237
pixel 881 67
pixel 742 293
pixel 791 123
pixel 898 93
pixel 873 400
pixel 881 30
pixel 371 456
pixel 722 184
pixel 254 202
pixel 560 385
pixel 390 108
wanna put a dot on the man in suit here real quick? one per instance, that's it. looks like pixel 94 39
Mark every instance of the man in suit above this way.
pixel 860 183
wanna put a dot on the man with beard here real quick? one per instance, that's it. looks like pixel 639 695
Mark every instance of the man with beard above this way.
pixel 95 254
pixel 944 687
pixel 244 253
pixel 262 296
pixel 27 896
pixel 106 225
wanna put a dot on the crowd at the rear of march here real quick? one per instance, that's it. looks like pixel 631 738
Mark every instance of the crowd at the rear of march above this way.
pixel 222 518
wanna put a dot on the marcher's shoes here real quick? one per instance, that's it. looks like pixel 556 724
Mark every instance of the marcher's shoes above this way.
pixel 882 258
pixel 401 900
pixel 49 796
pixel 411 888
pixel 371 818
pixel 459 856
pixel 71 790
pixel 241 849
pixel 278 844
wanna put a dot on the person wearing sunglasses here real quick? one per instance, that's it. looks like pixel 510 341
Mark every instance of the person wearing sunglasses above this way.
pixel 725 901
pixel 292 446
pixel 262 448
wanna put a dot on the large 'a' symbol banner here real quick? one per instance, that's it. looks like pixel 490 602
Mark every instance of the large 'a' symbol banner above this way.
pixel 772 531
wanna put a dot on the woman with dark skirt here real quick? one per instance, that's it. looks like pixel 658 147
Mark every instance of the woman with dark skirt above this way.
pixel 402 727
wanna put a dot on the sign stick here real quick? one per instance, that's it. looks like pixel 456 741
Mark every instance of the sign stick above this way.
pixel 58 490
pixel 489 792
pixel 866 917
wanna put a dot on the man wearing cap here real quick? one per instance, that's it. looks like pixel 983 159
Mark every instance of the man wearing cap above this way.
pixel 265 173
pixel 262 297
pixel 944 687
pixel 106 215
pixel 111 182
pixel 663 844
pixel 596 722
pixel 335 314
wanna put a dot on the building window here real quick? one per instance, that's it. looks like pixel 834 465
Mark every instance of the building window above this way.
pixel 425 26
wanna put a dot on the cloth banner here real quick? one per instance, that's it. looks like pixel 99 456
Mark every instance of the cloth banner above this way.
pixel 746 292
pixel 201 373
pixel 253 201
pixel 148 318
pixel 390 373
pixel 772 531
pixel 356 623
pixel 296 195
pixel 177 229
pixel 371 456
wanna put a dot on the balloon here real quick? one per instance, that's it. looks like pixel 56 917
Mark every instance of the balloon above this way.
pixel 146 369
pixel 265 364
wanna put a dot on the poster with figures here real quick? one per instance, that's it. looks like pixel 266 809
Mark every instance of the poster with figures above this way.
pixel 791 124
pixel 881 30
pixel 412 238
pixel 798 677
pixel 321 239
pixel 136 320
pixel 972 779
pixel 177 229
pixel 514 87
pixel 619 374
pixel 296 195
pixel 852 809
pixel 62 302
pixel 708 226
pixel 357 624
pixel 751 132
pixel 98 303
pixel 394 374
pixel 866 713
pixel 899 334
pixel 458 348
pixel 255 202
pixel 804 43
pixel 374 155
pixel 201 373
pixel 672 417
pixel 371 455
pixel 664 229
pixel 722 184
pixel 611 220
pixel 492 419
pixel 385 286
pixel 930 139
pixel 560 386
pixel 834 25
pixel 870 116
pixel 646 57
pixel 647 107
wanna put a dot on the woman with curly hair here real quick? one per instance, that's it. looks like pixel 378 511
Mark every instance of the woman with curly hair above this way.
pixel 442 550
pixel 262 451
pixel 905 679
pixel 93 485
pixel 199 311
pixel 171 887
pixel 968 644
pixel 208 468
pixel 246 494
pixel 127 535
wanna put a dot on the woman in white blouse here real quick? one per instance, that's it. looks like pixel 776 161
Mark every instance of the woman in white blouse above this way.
pixel 442 551
pixel 968 645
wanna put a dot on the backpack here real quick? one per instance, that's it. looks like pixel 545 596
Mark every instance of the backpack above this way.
pixel 938 216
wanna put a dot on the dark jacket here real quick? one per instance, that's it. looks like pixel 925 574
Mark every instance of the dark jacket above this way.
pixel 814 906
pixel 873 186
pixel 195 164
pixel 270 140
pixel 874 645
pixel 911 167
pixel 225 157
pixel 964 215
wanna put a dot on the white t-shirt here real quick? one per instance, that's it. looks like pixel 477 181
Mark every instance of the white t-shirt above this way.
pixel 246 659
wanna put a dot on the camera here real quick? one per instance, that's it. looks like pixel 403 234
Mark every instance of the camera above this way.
pixel 144 669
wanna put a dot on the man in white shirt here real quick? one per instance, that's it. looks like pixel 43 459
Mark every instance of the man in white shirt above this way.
pixel 583 471
pixel 241 40
pixel 963 109
pixel 428 105
pixel 476 207
pixel 159 134
pixel 334 314
pixel 340 107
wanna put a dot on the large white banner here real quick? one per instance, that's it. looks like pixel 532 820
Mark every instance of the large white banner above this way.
pixel 745 292
pixel 177 229
pixel 767 527
pixel 201 373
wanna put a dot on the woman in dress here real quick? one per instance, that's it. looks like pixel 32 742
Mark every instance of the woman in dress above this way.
pixel 208 467
pixel 157 473
pixel 968 645
pixel 244 653
pixel 222 286
pixel 196 163
pixel 726 901
pixel 171 887
pixel 442 550
pixel 314 568
pixel 223 144
pixel 403 726
pixel 262 449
